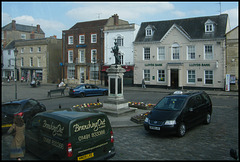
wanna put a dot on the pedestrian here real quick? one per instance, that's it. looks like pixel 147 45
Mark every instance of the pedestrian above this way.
pixel 143 83
pixel 17 149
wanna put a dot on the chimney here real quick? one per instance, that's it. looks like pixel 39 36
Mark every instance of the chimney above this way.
pixel 38 28
pixel 13 24
pixel 115 17
pixel 32 36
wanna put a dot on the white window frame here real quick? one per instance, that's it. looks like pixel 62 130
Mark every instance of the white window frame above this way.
pixel 119 40
pixel 93 38
pixel 208 55
pixel 81 39
pixel 39 61
pixel 161 53
pixel 31 49
pixel 146 75
pixel 206 77
pixel 148 31
pixel 71 71
pixel 175 53
pixel 191 76
pixel 209 28
pixel 70 39
pixel 146 55
pixel 22 50
pixel 70 56
pixel 93 54
pixel 81 56
pixel 191 52
pixel 161 74
pixel 39 49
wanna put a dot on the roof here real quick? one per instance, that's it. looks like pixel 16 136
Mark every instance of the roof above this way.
pixel 89 24
pixel 194 28
pixel 24 28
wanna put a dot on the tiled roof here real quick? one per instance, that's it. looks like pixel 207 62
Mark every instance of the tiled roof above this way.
pixel 89 24
pixel 192 27
pixel 24 28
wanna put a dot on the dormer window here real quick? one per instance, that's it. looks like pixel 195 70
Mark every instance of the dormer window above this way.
pixel 149 31
pixel 209 26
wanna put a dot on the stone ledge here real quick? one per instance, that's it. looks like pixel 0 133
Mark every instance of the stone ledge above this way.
pixel 118 112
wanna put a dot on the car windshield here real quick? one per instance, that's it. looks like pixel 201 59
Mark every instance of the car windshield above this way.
pixel 11 108
pixel 171 103
pixel 80 87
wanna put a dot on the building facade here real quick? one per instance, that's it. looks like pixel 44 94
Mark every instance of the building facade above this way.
pixel 83 52
pixel 40 59
pixel 232 58
pixel 120 31
pixel 182 53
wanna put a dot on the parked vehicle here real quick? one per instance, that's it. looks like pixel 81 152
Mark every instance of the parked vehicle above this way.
pixel 87 90
pixel 179 111
pixel 26 108
pixel 67 134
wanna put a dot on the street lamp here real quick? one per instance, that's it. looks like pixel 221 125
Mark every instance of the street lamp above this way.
pixel 94 66
pixel 15 71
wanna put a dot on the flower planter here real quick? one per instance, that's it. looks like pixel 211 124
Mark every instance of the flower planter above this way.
pixel 139 119
pixel 141 105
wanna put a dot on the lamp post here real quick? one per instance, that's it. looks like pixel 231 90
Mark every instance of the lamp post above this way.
pixel 15 70
pixel 94 65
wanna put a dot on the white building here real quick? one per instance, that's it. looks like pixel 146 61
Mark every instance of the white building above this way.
pixel 182 53
pixel 120 31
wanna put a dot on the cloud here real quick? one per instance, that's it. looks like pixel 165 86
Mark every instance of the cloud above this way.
pixel 126 10
pixel 179 14
pixel 6 18
pixel 233 17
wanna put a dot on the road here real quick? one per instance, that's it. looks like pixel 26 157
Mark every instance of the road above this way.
pixel 204 142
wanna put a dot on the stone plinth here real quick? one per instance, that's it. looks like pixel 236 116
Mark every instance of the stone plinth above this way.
pixel 115 104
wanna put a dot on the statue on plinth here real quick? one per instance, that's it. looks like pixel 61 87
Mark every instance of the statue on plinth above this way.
pixel 115 50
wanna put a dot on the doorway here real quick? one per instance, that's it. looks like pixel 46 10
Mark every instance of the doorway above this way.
pixel 174 78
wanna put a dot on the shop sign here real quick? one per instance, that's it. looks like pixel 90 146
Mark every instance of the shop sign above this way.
pixel 198 64
pixel 153 64
pixel 81 45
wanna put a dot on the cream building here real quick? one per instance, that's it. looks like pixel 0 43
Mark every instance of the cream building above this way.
pixel 182 53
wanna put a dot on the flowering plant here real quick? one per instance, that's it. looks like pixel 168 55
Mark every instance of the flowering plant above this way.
pixel 141 105
pixel 89 105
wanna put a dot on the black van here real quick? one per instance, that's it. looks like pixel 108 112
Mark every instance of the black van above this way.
pixel 70 135
pixel 179 111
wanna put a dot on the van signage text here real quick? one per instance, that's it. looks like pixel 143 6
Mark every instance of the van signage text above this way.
pixel 56 129
pixel 91 125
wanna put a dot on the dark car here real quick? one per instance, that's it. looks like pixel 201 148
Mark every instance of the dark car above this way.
pixel 67 134
pixel 26 108
pixel 87 90
pixel 179 111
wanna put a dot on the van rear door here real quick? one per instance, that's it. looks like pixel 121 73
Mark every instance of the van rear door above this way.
pixel 91 137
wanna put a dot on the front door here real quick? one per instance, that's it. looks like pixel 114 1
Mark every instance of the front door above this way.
pixel 174 78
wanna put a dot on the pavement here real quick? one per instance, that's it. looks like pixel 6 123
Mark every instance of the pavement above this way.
pixel 25 91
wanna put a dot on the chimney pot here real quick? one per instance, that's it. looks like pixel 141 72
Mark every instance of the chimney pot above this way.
pixel 13 24
pixel 115 17
pixel 38 28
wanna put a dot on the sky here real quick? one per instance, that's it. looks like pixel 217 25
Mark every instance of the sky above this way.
pixel 54 17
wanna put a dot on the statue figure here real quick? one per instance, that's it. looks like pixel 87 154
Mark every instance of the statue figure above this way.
pixel 116 55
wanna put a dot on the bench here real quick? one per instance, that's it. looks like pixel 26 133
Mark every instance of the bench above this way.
pixel 61 90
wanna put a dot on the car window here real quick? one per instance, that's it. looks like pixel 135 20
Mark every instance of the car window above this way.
pixel 87 86
pixel 33 102
pixel 205 97
pixel 170 103
pixel 94 87
pixel 11 108
pixel 36 123
pixel 191 102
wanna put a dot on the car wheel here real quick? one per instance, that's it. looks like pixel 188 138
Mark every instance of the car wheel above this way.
pixel 81 95
pixel 181 130
pixel 105 93
pixel 208 118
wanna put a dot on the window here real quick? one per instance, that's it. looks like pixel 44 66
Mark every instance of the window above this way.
pixel 71 72
pixel 82 56
pixel 23 36
pixel 31 61
pixel 22 50
pixel 22 61
pixel 146 74
pixel 208 77
pixel 93 56
pixel 70 56
pixel 9 63
pixel 146 53
pixel 39 49
pixel 39 61
pixel 121 59
pixel 93 38
pixel 119 41
pixel 161 53
pixel 148 31
pixel 191 52
pixel 208 52
pixel 175 51
pixel 81 39
pixel 94 72
pixel 191 76
pixel 161 75
pixel 70 39
pixel 31 49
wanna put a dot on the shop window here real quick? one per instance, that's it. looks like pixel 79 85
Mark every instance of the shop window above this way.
pixel 71 72
pixel 191 76
pixel 208 77
pixel 161 75
pixel 146 74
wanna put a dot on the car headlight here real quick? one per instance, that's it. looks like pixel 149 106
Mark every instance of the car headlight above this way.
pixel 170 122
pixel 146 120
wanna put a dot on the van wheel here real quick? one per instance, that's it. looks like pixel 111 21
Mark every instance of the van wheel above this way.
pixel 208 118
pixel 181 130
